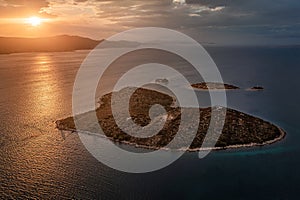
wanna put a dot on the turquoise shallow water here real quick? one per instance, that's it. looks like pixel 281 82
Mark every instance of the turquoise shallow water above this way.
pixel 37 161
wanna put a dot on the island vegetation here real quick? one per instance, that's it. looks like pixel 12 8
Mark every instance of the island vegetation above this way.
pixel 214 86
pixel 240 129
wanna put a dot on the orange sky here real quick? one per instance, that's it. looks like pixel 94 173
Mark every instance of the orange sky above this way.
pixel 97 19
pixel 58 17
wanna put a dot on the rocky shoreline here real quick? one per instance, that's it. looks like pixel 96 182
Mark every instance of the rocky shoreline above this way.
pixel 255 88
pixel 214 86
pixel 240 129
pixel 220 86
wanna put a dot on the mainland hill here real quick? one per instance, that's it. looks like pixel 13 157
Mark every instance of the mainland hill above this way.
pixel 46 44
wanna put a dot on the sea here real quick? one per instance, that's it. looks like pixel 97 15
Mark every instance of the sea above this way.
pixel 37 161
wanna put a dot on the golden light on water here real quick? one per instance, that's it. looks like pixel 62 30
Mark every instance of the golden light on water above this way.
pixel 44 91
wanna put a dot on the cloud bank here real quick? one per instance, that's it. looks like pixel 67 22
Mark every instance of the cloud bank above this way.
pixel 218 21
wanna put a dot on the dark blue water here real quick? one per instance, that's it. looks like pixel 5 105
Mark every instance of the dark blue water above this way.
pixel 37 161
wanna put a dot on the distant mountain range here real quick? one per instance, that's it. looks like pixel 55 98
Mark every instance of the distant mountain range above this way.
pixel 63 43
pixel 46 44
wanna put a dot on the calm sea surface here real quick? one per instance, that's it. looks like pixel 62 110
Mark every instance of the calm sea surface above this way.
pixel 37 161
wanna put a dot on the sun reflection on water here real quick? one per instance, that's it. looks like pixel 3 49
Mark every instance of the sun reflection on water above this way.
pixel 45 90
pixel 43 62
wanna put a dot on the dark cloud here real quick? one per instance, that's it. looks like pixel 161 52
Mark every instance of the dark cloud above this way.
pixel 243 20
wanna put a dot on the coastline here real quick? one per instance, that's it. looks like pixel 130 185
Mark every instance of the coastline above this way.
pixel 237 146
pixel 215 90
pixel 214 86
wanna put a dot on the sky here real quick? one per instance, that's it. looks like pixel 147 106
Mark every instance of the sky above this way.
pixel 224 22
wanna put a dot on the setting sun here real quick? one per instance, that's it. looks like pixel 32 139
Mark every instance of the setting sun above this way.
pixel 34 21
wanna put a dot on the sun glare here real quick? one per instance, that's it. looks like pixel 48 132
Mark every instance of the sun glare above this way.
pixel 34 21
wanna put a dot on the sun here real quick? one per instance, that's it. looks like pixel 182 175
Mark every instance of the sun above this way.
pixel 34 21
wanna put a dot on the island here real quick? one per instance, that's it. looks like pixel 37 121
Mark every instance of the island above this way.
pixel 163 81
pixel 256 88
pixel 214 86
pixel 240 129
